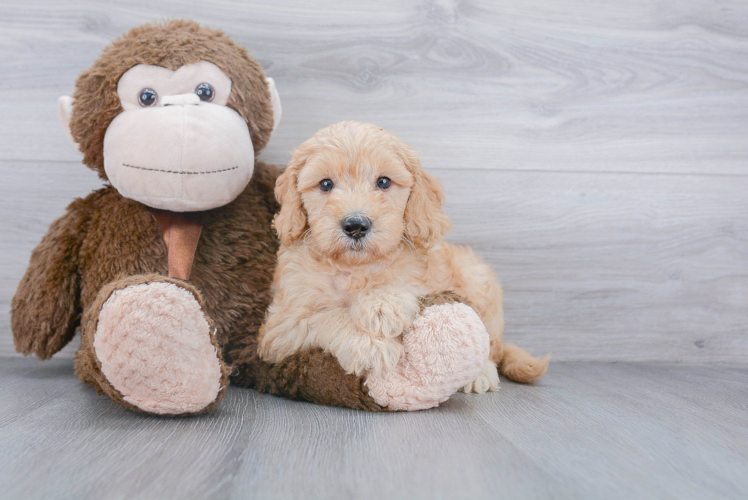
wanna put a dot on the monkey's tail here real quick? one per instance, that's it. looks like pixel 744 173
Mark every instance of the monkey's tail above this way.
pixel 517 364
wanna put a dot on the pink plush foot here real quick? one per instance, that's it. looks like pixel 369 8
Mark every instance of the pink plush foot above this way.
pixel 154 346
pixel 446 348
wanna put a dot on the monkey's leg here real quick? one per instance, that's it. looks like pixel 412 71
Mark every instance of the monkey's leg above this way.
pixel 312 375
pixel 149 346
pixel 445 349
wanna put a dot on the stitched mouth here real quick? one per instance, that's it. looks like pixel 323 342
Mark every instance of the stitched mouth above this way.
pixel 177 172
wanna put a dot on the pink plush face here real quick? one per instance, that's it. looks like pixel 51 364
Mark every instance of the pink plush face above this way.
pixel 177 145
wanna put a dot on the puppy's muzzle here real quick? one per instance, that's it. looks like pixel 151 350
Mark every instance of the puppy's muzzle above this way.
pixel 356 227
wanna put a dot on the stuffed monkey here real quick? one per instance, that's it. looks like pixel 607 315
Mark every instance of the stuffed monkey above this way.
pixel 166 271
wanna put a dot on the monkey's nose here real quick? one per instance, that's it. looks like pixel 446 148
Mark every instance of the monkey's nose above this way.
pixel 356 227
pixel 180 99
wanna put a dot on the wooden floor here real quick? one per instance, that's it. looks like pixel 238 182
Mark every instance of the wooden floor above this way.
pixel 587 431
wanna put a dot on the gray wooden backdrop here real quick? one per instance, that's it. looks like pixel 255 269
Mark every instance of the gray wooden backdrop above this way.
pixel 596 153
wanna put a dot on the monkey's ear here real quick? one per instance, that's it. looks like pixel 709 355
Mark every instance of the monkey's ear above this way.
pixel 275 101
pixel 65 109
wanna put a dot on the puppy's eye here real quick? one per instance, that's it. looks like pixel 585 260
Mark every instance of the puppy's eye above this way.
pixel 326 185
pixel 148 98
pixel 384 182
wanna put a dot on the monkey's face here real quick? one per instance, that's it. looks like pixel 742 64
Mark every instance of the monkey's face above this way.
pixel 177 145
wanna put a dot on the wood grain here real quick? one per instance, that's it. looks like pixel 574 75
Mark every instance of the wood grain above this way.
pixel 586 431
pixel 596 156
pixel 638 86
pixel 595 266
pixel 613 267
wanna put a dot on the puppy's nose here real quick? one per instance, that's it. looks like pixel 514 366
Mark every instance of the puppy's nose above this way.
pixel 356 226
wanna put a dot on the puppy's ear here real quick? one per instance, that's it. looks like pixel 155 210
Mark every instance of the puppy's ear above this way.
pixel 290 223
pixel 425 221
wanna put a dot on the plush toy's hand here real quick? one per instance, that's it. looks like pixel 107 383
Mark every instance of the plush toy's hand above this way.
pixel 45 310
pixel 446 348
pixel 386 311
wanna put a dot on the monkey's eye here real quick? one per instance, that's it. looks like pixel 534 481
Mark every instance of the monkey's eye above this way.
pixel 384 182
pixel 205 92
pixel 326 185
pixel 148 98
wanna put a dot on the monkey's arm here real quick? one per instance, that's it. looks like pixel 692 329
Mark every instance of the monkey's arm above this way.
pixel 308 373
pixel 313 375
pixel 46 307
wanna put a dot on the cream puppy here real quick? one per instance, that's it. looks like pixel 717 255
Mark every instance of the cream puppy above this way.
pixel 361 229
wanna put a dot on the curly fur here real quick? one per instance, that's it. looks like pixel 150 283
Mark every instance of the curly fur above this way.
pixel 354 299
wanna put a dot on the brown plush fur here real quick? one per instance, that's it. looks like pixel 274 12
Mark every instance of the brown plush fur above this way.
pixel 104 238
pixel 105 241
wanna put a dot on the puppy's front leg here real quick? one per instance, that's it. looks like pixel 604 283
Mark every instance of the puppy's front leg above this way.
pixel 363 353
pixel 385 311
pixel 290 330
pixel 358 351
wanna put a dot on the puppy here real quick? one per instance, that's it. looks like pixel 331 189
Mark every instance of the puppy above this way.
pixel 361 229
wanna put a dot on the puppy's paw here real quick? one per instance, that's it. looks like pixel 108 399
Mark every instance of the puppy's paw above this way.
pixel 368 354
pixel 487 381
pixel 385 311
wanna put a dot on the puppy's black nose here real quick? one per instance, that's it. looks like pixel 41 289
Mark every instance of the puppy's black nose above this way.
pixel 356 226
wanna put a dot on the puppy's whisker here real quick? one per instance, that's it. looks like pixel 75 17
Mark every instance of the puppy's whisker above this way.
pixel 408 242
pixel 306 235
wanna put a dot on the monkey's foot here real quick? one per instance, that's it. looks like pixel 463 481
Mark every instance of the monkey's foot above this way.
pixel 446 348
pixel 157 350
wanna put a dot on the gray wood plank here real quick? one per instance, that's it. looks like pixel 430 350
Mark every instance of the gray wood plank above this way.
pixel 613 266
pixel 622 267
pixel 586 431
pixel 637 86
pixel 49 381
pixel 638 431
